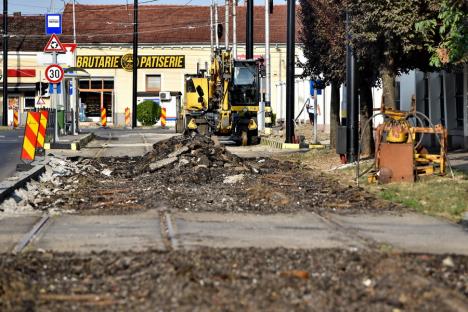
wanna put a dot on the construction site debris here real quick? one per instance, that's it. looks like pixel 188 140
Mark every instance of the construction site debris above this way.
pixel 191 173
pixel 233 280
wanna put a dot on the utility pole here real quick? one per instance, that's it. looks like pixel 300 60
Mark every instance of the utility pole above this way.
pixel 234 28
pixel 351 98
pixel 211 28
pixel 290 66
pixel 226 24
pixel 75 82
pixel 216 24
pixel 267 57
pixel 249 30
pixel 135 63
pixel 5 63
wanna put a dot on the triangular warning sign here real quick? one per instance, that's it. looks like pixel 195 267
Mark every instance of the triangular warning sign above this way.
pixel 40 101
pixel 54 45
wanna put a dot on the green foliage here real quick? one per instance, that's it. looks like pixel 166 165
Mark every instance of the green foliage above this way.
pixel 148 112
pixel 323 36
pixel 446 35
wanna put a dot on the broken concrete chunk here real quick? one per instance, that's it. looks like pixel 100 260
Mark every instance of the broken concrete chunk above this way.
pixel 179 151
pixel 162 163
pixel 233 179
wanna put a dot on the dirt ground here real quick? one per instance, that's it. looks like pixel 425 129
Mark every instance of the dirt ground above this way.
pixel 234 280
pixel 194 174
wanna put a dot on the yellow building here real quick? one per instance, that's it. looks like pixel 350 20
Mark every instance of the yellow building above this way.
pixel 173 42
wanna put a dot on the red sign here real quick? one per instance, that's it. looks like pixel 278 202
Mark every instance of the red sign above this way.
pixel 54 73
pixel 54 45
pixel 70 46
pixel 21 73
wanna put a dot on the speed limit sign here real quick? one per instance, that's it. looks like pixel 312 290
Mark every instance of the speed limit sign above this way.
pixel 54 73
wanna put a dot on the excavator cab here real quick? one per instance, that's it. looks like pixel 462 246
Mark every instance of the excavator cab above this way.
pixel 244 99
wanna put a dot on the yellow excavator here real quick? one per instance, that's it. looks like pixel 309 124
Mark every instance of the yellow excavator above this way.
pixel 224 101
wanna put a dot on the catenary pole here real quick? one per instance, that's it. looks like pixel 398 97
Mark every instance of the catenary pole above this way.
pixel 75 82
pixel 211 28
pixel 226 24
pixel 351 98
pixel 267 57
pixel 234 28
pixel 290 51
pixel 216 24
pixel 249 30
pixel 5 64
pixel 135 63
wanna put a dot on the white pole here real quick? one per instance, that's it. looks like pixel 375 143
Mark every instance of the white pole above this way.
pixel 267 53
pixel 234 29
pixel 315 114
pixel 211 27
pixel 226 24
pixel 74 98
pixel 216 24
pixel 55 101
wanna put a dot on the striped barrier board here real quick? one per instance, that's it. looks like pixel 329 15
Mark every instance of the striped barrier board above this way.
pixel 28 151
pixel 163 117
pixel 41 135
pixel 127 117
pixel 15 119
pixel 103 117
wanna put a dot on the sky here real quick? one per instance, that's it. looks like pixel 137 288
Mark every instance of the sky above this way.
pixel 45 6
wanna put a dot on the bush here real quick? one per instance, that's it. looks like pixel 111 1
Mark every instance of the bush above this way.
pixel 148 112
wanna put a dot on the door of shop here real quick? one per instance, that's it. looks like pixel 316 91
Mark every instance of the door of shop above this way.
pixel 13 105
pixel 95 94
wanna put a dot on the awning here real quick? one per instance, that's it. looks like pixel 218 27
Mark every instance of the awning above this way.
pixel 19 87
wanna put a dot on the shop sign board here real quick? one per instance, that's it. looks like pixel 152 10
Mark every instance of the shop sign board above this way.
pixel 126 61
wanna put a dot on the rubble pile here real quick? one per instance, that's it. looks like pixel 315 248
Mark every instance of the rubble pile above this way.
pixel 190 174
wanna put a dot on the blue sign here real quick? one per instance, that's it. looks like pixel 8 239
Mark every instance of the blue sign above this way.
pixel 53 24
pixel 59 88
pixel 70 88
pixel 312 86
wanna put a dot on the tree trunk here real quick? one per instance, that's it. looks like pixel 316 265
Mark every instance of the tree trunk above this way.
pixel 334 113
pixel 388 82
pixel 365 112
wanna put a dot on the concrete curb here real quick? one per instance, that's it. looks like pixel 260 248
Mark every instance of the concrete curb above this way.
pixel 8 187
pixel 281 145
pixel 74 146
pixel 464 221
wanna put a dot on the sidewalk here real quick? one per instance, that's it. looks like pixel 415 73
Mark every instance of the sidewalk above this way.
pixel 149 230
pixel 459 160
pixel 72 142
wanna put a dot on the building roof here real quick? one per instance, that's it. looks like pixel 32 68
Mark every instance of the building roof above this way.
pixel 158 24
pixel 25 34
pixel 165 24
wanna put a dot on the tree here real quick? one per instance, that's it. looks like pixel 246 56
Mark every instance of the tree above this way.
pixel 446 35
pixel 384 34
pixel 323 35
pixel 324 38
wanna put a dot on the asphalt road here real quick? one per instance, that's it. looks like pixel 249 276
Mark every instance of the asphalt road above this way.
pixel 10 150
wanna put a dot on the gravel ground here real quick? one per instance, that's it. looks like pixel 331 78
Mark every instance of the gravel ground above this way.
pixel 234 280
pixel 193 174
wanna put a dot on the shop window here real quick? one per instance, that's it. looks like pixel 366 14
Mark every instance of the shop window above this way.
pixel 153 83
pixel 96 84
pixel 108 84
pixel 29 103
pixel 84 84
pixel 397 95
